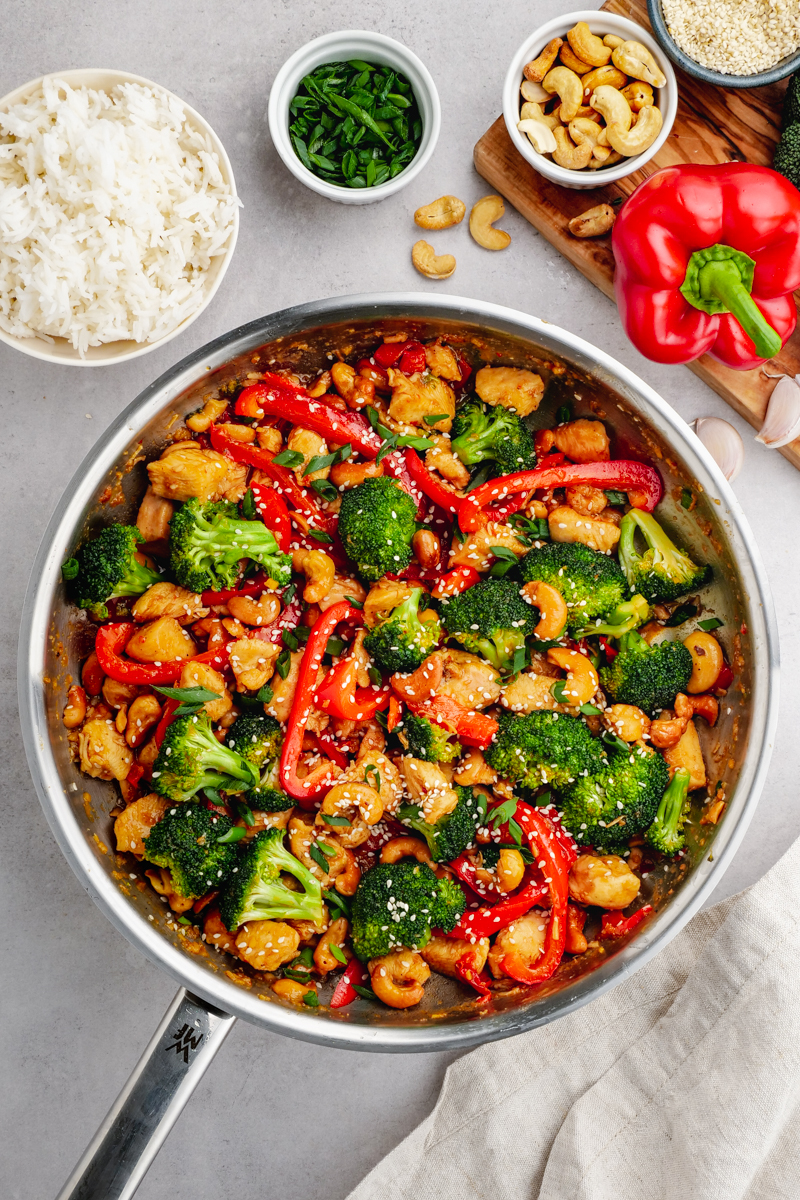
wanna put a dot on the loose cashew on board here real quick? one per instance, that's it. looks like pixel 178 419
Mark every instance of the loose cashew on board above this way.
pixel 441 213
pixel 481 221
pixel 594 222
pixel 428 263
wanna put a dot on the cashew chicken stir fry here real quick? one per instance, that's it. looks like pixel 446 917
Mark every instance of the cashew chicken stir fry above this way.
pixel 396 676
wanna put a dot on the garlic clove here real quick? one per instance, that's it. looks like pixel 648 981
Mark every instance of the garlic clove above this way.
pixel 724 444
pixel 782 422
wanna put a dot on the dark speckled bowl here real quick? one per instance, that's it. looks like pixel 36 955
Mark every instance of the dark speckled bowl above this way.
pixel 785 67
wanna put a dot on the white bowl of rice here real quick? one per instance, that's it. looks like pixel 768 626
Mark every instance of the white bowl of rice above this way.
pixel 118 216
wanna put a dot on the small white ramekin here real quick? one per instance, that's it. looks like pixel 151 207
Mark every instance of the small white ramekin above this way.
pixel 61 350
pixel 600 23
pixel 341 47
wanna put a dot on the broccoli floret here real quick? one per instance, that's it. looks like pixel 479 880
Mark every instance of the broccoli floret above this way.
pixel 649 677
pixel 666 832
pixel 256 891
pixel 258 739
pixel 591 583
pixel 208 541
pixel 191 759
pixel 544 747
pixel 398 904
pixel 450 836
pixel 786 159
pixel 608 807
pixel 621 620
pixel 791 103
pixel 663 572
pixel 186 842
pixel 105 569
pixel 491 619
pixel 403 641
pixel 495 434
pixel 377 521
pixel 426 741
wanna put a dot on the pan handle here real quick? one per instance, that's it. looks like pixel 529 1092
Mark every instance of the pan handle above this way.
pixel 118 1157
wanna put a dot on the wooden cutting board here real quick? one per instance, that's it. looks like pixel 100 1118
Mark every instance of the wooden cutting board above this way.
pixel 713 125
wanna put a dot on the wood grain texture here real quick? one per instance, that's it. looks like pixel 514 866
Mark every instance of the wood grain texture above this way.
pixel 713 125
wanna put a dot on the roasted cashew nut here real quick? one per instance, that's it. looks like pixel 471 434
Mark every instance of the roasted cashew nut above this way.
pixel 345 797
pixel 533 112
pixel 398 978
pixel 582 680
pixel 629 142
pixel 251 612
pixel 627 722
pixel 589 49
pixel 319 570
pixel 584 129
pixel 540 135
pixel 405 847
pixel 349 879
pixel 600 76
pixel 533 91
pixel 568 87
pixel 612 105
pixel 569 58
pixel 423 682
pixel 552 608
pixel 441 213
pixel 707 661
pixel 567 154
pixel 594 222
pixel 613 40
pixel 428 263
pixel 356 390
pixel 635 59
pixel 536 70
pixel 614 157
pixel 638 95
pixel 334 935
pixel 508 873
pixel 75 708
pixel 481 220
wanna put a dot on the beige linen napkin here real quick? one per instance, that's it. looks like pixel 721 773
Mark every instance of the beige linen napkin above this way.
pixel 683 1083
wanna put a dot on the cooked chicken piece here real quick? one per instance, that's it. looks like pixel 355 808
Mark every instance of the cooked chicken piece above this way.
pixel 688 753
pixel 252 662
pixel 104 753
pixel 441 458
pixel 428 786
pixel 522 941
pixel 568 526
pixel 415 397
pixel 521 391
pixel 607 882
pixel 310 445
pixel 442 361
pixel 234 485
pixel 531 692
pixel 583 441
pixel 283 691
pixel 169 600
pixel 217 935
pixel 586 500
pixel 472 769
pixel 269 438
pixel 203 675
pixel 374 768
pixel 442 953
pixel 119 695
pixel 133 826
pixel 161 880
pixel 154 517
pixel 267 945
pixel 382 597
pixel 468 679
pixel 161 640
pixel 475 550
pixel 186 469
pixel 343 586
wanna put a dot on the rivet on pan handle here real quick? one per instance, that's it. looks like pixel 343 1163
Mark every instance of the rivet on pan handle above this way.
pixel 119 1155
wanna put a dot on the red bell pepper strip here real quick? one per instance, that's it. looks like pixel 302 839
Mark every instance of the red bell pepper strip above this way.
pixel 724 679
pixel 472 728
pixel 216 658
pixel 289 619
pixel 466 969
pixel 284 480
pixel 395 714
pixel 467 871
pixel 388 353
pixel 329 748
pixel 274 513
pixel 435 489
pixel 136 773
pixel 614 924
pixel 412 360
pixel 707 260
pixel 620 475
pixel 610 651
pixel 277 397
pixel 307 789
pixel 501 512
pixel 371 370
pixel 344 993
pixel 544 842
pixel 167 715
pixel 112 639
pixel 338 695
pixel 523 817
pixel 396 465
pixel 455 582
pixel 252 587
pixel 490 919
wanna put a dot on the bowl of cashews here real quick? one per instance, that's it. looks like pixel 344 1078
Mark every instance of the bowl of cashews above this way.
pixel 589 98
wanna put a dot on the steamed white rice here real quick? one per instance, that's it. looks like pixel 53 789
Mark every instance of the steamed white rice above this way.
pixel 112 208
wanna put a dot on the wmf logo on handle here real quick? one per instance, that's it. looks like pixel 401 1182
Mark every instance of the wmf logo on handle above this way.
pixel 186 1039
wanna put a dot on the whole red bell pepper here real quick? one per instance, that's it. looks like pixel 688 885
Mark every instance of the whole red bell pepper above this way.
pixel 109 643
pixel 707 260
pixel 277 397
pixel 622 475
pixel 472 728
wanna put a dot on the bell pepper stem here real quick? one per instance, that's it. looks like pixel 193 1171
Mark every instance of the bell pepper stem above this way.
pixel 723 281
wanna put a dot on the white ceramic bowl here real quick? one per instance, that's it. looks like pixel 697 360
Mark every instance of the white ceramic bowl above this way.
pixel 341 47
pixel 600 23
pixel 62 351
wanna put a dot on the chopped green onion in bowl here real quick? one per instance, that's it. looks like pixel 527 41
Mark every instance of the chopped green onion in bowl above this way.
pixel 355 124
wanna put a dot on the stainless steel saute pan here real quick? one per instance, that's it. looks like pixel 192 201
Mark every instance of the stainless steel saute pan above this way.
pixel 108 485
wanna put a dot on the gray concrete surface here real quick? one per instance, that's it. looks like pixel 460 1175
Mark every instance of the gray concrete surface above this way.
pixel 272 1117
